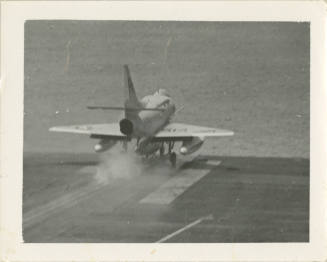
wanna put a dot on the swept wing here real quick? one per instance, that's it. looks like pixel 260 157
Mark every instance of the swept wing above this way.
pixel 111 131
pixel 171 132
pixel 181 132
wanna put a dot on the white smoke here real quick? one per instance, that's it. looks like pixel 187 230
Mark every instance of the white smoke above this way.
pixel 117 164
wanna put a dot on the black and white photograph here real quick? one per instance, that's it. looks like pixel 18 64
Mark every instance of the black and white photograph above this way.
pixel 149 131
pixel 160 131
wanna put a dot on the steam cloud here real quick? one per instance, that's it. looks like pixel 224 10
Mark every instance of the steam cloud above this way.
pixel 116 164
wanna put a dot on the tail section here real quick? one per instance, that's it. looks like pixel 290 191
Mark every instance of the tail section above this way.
pixel 130 94
pixel 132 105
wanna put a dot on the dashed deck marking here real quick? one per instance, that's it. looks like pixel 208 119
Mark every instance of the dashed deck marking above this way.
pixel 166 194
pixel 177 185
pixel 68 200
pixel 209 217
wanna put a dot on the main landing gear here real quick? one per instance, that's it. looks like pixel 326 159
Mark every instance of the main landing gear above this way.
pixel 172 155
pixel 173 159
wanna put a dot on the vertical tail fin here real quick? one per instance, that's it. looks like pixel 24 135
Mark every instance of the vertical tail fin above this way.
pixel 131 98
pixel 130 95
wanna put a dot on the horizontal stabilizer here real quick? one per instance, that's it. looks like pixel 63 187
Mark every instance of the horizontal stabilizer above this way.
pixel 124 108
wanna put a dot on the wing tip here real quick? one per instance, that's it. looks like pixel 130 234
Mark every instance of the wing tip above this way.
pixel 54 129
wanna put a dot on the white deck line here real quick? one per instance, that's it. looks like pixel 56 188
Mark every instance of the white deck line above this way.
pixel 209 217
pixel 66 201
pixel 177 185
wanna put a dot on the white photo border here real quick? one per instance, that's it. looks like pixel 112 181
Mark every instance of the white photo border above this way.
pixel 13 16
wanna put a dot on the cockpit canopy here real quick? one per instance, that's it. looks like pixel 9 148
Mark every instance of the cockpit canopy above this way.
pixel 162 92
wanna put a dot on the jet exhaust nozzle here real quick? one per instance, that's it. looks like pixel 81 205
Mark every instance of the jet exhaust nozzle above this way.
pixel 126 127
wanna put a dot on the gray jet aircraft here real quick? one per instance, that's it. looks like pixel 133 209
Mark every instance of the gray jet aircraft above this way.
pixel 148 121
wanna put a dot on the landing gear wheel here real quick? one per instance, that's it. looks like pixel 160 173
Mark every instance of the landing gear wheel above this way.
pixel 162 151
pixel 173 159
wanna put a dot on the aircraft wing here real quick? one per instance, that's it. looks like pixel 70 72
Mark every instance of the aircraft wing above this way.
pixel 171 132
pixel 95 130
pixel 181 132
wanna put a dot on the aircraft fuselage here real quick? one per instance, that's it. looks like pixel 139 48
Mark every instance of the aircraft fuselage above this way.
pixel 153 121
pixel 146 123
